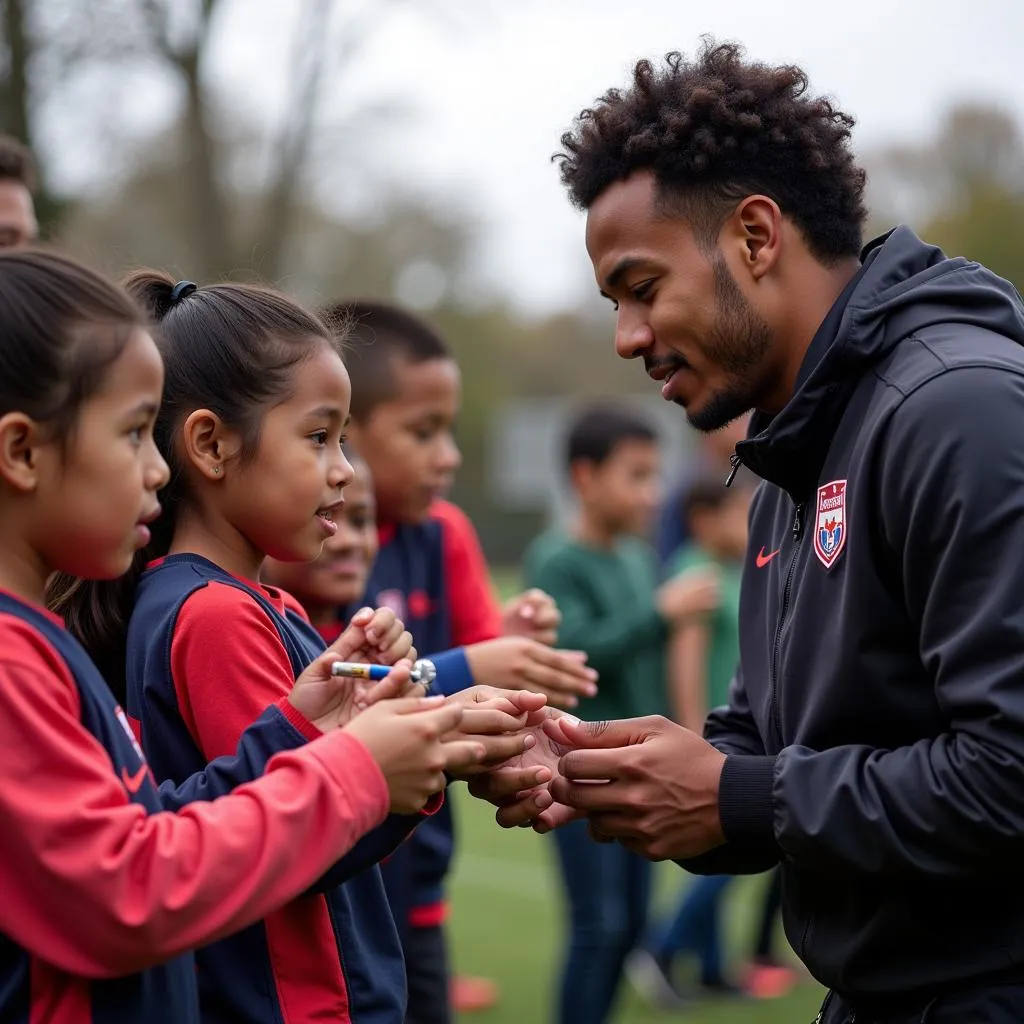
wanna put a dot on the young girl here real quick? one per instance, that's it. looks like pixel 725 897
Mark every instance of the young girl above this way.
pixel 104 875
pixel 332 585
pixel 256 400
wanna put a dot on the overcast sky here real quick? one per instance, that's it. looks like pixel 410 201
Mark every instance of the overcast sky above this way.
pixel 494 83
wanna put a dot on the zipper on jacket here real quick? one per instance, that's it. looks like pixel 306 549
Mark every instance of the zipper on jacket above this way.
pixel 798 529
pixel 734 463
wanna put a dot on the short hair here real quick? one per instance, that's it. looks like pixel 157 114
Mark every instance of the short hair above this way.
pixel 16 162
pixel 597 431
pixel 716 129
pixel 374 334
pixel 707 493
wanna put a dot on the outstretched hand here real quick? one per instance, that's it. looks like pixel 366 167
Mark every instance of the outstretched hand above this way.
pixel 496 719
pixel 520 787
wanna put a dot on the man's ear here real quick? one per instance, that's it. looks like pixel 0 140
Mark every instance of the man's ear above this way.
pixel 754 235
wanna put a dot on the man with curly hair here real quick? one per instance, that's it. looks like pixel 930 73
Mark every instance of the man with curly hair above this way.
pixel 873 743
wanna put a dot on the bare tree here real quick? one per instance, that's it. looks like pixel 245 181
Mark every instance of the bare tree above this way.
pixel 186 56
pixel 181 40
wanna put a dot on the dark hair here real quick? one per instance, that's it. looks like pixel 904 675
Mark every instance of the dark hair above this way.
pixel 705 494
pixel 375 333
pixel 597 431
pixel 709 493
pixel 229 348
pixel 61 327
pixel 716 129
pixel 16 163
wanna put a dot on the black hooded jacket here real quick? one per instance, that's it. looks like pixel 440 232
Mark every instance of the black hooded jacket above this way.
pixel 876 725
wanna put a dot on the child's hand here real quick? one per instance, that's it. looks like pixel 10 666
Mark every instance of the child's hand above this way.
pixel 376 636
pixel 408 739
pixel 533 614
pixel 331 702
pixel 496 719
pixel 696 592
pixel 520 787
pixel 518 663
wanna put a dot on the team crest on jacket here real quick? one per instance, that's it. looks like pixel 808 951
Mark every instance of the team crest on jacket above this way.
pixel 830 522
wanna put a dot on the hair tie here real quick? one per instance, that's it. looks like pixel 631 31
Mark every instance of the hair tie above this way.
pixel 182 290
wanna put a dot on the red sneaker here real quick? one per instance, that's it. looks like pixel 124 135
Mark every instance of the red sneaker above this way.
pixel 470 995
pixel 768 981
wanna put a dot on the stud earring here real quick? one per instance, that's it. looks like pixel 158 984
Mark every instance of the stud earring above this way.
pixel 216 469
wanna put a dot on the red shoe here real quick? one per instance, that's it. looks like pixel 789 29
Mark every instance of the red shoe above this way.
pixel 470 995
pixel 769 981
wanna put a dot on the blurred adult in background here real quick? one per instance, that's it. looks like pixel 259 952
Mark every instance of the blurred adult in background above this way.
pixel 710 457
pixel 18 226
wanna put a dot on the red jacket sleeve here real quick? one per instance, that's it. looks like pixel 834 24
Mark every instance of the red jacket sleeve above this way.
pixel 475 613
pixel 93 885
pixel 229 665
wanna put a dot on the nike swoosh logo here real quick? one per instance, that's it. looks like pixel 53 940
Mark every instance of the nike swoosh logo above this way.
pixel 763 559
pixel 133 783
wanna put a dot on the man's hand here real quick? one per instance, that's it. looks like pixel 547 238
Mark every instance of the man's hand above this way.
pixel 533 614
pixel 647 782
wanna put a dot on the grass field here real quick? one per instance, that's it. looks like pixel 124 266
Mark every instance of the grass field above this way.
pixel 507 922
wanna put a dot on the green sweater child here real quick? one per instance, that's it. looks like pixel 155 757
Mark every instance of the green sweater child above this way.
pixel 604 581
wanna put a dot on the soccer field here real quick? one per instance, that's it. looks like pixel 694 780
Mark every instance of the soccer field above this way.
pixel 506 924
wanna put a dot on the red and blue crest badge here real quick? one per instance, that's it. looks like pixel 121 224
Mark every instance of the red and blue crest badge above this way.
pixel 830 522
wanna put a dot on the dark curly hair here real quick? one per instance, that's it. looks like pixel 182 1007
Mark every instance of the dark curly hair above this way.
pixel 716 129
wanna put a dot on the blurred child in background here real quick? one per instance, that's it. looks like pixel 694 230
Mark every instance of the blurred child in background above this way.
pixel 710 457
pixel 604 580
pixel 704 653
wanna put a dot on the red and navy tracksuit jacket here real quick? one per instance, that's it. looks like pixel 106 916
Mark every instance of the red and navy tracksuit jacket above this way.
pixel 333 954
pixel 97 886
pixel 434 577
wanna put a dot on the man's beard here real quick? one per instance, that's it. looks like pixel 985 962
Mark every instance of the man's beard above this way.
pixel 738 343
